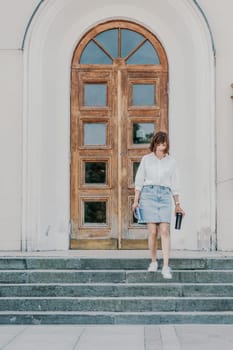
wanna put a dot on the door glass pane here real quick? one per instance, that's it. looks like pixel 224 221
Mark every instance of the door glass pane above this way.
pixel 135 168
pixel 142 132
pixel 144 95
pixel 95 173
pixel 129 41
pixel 92 54
pixel 95 213
pixel 146 54
pixel 109 40
pixel 95 134
pixel 95 95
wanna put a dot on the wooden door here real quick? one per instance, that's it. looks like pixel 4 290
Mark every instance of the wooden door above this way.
pixel 117 103
pixel 144 95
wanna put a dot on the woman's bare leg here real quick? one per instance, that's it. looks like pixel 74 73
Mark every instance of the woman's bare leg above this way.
pixel 152 240
pixel 164 230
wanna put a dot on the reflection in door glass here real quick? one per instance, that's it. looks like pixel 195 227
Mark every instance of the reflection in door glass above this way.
pixel 95 134
pixel 130 40
pixel 146 54
pixel 95 95
pixel 135 169
pixel 92 54
pixel 109 41
pixel 95 213
pixel 95 173
pixel 144 95
pixel 119 43
pixel 142 132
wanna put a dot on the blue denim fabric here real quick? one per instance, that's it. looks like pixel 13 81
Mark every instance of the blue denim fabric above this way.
pixel 155 204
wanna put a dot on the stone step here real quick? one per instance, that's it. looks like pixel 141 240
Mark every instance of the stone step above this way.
pixel 32 263
pixel 116 290
pixel 114 276
pixel 116 304
pixel 37 318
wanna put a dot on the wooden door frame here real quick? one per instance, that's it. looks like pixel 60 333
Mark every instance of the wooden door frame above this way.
pixel 147 75
pixel 76 66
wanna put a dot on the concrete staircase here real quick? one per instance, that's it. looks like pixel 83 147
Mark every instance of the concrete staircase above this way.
pixel 114 291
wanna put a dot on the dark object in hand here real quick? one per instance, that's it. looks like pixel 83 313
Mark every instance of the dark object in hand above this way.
pixel 178 221
pixel 137 214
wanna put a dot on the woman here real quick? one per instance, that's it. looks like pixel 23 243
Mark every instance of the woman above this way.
pixel 155 181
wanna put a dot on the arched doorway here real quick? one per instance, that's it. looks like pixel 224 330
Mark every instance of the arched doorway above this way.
pixel 118 100
pixel 46 117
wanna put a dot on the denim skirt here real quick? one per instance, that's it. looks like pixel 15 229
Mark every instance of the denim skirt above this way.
pixel 155 204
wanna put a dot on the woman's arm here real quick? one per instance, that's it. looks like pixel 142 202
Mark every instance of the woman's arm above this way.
pixel 178 208
pixel 136 200
pixel 175 191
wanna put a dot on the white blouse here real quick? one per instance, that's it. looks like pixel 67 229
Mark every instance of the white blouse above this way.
pixel 155 171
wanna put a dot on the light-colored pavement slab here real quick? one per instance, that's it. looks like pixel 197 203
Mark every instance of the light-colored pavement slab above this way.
pixel 43 338
pixel 205 337
pixel 117 254
pixel 9 333
pixel 152 338
pixel 169 338
pixel 114 337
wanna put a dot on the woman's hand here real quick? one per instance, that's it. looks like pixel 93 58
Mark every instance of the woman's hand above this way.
pixel 178 209
pixel 136 200
pixel 135 205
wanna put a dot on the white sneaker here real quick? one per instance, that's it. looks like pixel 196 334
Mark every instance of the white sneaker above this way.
pixel 153 267
pixel 166 272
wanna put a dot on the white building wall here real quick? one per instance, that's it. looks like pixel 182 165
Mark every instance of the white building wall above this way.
pixel 11 66
pixel 48 52
pixel 14 17
pixel 219 14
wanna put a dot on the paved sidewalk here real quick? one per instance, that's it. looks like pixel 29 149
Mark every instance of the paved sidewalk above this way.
pixel 116 254
pixel 72 337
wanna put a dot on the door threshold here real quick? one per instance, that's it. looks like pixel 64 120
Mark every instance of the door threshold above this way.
pixel 94 244
pixel 110 244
